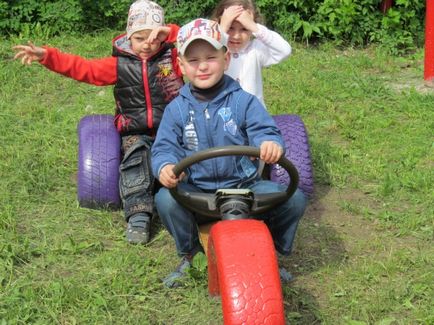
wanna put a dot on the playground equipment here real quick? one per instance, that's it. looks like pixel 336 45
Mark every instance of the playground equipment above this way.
pixel 99 157
pixel 242 264
pixel 429 39
pixel 429 43
pixel 385 5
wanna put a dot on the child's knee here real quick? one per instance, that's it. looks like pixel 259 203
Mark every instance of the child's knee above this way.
pixel 164 201
pixel 298 203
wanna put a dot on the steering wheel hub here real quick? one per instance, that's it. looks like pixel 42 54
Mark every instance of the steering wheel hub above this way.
pixel 234 204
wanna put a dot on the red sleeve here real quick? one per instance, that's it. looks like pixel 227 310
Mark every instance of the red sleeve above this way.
pixel 99 72
pixel 171 38
pixel 176 63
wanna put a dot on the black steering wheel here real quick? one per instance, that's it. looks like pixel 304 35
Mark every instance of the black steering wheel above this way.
pixel 205 203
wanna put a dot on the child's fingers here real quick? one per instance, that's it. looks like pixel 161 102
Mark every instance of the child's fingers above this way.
pixel 153 35
pixel 263 153
pixel 18 55
pixel 234 8
pixel 270 152
pixel 27 60
pixel 18 47
pixel 233 11
pixel 250 13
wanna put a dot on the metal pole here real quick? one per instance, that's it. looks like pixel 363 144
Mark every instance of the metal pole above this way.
pixel 385 5
pixel 429 42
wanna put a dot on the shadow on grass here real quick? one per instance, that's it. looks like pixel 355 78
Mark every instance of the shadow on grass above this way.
pixel 317 246
pixel 301 306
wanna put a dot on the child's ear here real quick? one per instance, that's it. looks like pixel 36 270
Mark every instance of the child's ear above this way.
pixel 227 59
pixel 181 65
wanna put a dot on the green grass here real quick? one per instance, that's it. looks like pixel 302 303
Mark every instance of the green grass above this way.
pixel 364 251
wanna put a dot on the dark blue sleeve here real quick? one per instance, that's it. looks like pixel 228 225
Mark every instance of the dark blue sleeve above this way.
pixel 167 146
pixel 260 126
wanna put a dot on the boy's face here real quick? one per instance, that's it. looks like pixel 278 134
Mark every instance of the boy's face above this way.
pixel 140 45
pixel 239 36
pixel 203 65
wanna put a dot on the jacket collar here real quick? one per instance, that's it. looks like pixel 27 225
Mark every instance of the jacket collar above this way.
pixel 230 85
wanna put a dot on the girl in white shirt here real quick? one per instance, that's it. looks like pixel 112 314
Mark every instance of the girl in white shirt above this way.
pixel 252 45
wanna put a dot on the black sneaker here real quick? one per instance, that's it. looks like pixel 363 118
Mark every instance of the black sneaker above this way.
pixel 138 229
pixel 173 279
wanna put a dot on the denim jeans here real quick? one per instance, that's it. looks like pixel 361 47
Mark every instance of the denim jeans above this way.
pixel 282 221
pixel 136 183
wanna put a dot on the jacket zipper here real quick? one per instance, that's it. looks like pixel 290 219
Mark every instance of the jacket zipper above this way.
pixel 149 110
pixel 211 143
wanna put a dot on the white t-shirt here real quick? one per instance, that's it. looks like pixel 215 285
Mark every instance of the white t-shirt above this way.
pixel 267 48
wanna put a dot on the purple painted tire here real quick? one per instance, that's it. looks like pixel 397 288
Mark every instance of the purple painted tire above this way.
pixel 297 151
pixel 99 156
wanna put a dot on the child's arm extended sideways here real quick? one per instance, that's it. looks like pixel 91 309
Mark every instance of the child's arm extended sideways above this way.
pixel 100 72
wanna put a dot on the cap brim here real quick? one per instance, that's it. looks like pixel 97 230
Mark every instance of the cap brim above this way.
pixel 216 44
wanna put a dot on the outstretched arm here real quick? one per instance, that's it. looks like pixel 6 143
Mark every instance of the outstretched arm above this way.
pixel 100 72
pixel 29 53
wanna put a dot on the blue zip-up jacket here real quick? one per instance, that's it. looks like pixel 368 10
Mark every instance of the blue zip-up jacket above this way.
pixel 233 117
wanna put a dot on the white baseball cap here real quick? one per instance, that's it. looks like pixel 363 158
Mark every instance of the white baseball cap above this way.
pixel 208 30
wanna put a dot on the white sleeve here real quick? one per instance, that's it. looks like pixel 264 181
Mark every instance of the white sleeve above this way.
pixel 275 48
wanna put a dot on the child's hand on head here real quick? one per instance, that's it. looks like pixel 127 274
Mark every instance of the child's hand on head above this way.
pixel 247 19
pixel 229 15
pixel 167 176
pixel 159 34
pixel 29 53
pixel 270 152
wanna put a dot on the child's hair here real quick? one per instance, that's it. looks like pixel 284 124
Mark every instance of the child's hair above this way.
pixel 247 5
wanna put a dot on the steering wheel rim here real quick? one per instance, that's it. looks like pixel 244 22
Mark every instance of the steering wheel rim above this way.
pixel 204 203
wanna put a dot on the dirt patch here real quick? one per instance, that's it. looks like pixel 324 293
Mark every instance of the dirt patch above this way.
pixel 410 78
pixel 332 233
pixel 418 85
pixel 325 232
pixel 332 238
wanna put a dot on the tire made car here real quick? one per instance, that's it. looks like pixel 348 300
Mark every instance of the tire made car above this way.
pixel 99 158
pixel 297 151
pixel 243 270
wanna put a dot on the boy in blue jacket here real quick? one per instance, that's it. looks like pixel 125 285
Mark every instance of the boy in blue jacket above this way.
pixel 210 111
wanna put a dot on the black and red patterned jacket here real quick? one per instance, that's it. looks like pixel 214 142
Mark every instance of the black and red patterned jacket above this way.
pixel 142 89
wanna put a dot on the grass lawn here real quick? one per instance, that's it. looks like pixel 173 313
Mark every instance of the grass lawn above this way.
pixel 364 251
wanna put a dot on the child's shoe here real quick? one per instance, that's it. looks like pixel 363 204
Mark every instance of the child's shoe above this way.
pixel 138 229
pixel 173 279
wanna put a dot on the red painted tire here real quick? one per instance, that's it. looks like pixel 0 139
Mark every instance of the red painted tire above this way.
pixel 243 269
pixel 98 163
